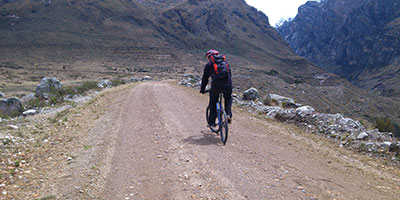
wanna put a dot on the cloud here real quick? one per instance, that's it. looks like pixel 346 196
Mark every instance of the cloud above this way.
pixel 277 9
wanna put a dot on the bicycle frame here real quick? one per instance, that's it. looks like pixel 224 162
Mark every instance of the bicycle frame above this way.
pixel 219 110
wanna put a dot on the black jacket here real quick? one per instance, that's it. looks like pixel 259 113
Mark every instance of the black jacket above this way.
pixel 215 82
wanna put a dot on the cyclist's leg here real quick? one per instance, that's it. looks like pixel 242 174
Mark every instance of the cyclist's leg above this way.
pixel 213 108
pixel 228 101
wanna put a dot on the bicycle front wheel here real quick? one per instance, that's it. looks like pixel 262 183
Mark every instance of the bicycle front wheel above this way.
pixel 223 126
pixel 207 117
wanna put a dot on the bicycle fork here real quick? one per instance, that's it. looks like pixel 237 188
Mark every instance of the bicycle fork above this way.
pixel 219 112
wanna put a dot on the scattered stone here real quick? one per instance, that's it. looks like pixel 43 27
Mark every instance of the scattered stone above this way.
pixel 29 112
pixel 362 136
pixel 48 86
pixel 250 94
pixel 2 94
pixel 190 81
pixel 147 78
pixel 347 132
pixel 135 79
pixel 11 107
pixel 104 84
pixel 305 110
pixel 13 127
pixel 281 101
pixel 272 111
pixel 79 99
pixel 28 98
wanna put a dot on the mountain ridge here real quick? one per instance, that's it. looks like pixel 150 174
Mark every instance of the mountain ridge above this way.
pixel 87 39
pixel 355 39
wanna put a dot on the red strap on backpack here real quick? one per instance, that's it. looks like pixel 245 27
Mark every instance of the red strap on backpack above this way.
pixel 214 64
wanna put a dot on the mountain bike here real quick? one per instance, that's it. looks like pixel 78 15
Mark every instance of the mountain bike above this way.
pixel 222 124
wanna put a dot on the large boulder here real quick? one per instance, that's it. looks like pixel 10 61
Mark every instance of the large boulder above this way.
pixel 281 101
pixel 48 86
pixel 11 107
pixel 250 94
pixel 104 84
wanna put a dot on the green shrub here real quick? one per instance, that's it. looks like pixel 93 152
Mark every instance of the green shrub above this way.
pixel 35 103
pixel 384 124
pixel 86 86
pixel 396 130
pixel 297 81
pixel 117 82
pixel 68 90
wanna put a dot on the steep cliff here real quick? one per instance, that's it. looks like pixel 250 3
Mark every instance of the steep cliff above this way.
pixel 356 39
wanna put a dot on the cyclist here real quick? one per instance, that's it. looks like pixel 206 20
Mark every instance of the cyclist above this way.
pixel 218 84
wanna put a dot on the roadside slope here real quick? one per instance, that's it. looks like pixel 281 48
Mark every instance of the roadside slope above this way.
pixel 157 147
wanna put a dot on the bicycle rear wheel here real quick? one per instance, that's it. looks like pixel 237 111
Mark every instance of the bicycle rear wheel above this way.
pixel 223 127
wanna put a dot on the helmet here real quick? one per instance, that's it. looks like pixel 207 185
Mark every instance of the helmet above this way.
pixel 211 53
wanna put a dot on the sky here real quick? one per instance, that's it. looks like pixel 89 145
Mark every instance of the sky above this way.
pixel 277 9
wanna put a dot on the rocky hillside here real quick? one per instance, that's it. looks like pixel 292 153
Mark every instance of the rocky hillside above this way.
pixel 75 40
pixel 357 39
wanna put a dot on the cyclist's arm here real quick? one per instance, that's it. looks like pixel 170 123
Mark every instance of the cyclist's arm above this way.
pixel 206 75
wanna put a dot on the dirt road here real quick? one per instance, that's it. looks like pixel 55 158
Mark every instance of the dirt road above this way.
pixel 158 147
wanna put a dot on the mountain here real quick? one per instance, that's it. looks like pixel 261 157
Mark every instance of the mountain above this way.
pixel 356 39
pixel 93 39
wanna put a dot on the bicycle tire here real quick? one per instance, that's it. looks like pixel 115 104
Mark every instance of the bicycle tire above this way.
pixel 207 117
pixel 223 127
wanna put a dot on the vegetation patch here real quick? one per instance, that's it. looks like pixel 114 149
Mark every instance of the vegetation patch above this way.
pixel 272 73
pixel 47 198
pixel 384 124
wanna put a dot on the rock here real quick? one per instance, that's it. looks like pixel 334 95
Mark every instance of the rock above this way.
pixel 305 110
pixel 277 100
pixel 147 78
pixel 286 115
pixel 29 112
pixel 250 94
pixel 362 136
pixel 2 94
pixel 13 127
pixel 11 107
pixel 272 111
pixel 47 87
pixel 386 144
pixel 104 84
pixel 135 79
pixel 190 81
pixel 28 98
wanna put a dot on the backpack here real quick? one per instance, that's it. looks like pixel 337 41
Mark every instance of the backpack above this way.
pixel 221 67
